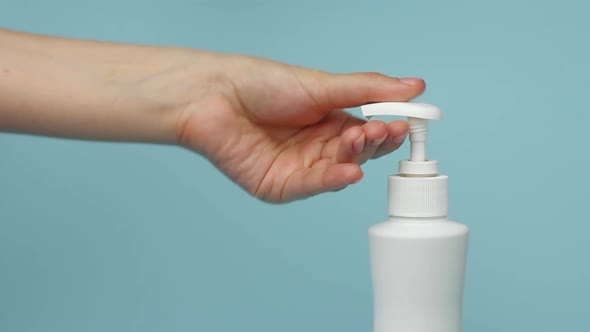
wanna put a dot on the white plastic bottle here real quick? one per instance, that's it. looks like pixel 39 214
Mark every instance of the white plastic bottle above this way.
pixel 417 256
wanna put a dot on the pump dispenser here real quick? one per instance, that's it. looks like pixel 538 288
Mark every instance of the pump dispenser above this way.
pixel 417 256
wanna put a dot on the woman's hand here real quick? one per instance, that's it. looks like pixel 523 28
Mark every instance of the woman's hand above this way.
pixel 279 131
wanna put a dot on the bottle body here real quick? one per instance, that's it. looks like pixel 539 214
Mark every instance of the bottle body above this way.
pixel 418 269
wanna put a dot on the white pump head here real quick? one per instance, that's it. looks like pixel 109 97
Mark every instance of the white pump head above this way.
pixel 418 191
pixel 418 115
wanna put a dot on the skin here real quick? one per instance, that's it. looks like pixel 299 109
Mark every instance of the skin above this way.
pixel 277 130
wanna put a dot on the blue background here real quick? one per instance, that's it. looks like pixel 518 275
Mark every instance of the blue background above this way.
pixel 130 237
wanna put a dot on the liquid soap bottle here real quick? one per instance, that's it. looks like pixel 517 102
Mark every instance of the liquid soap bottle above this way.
pixel 417 255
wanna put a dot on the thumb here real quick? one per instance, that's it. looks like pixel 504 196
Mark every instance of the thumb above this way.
pixel 352 90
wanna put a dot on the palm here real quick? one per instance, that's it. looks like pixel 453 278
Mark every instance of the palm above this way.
pixel 297 162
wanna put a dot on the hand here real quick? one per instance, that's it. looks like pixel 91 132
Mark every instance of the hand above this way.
pixel 279 131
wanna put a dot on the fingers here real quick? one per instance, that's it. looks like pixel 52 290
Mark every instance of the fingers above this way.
pixel 357 145
pixel 376 132
pixel 312 181
pixel 352 90
pixel 352 144
pixel 397 132
pixel 373 139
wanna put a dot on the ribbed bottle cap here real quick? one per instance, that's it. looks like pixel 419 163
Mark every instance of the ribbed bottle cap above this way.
pixel 418 196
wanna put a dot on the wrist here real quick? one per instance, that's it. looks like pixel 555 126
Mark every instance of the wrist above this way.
pixel 202 96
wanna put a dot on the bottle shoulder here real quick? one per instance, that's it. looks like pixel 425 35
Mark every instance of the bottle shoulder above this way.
pixel 419 229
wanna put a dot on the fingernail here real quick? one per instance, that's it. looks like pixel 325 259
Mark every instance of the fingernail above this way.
pixel 411 80
pixel 359 145
pixel 378 142
pixel 399 139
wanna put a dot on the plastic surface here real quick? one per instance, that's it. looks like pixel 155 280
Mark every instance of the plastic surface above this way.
pixel 414 110
pixel 418 197
pixel 419 168
pixel 418 273
pixel 418 130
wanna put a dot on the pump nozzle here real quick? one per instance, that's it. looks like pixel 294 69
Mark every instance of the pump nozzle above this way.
pixel 418 115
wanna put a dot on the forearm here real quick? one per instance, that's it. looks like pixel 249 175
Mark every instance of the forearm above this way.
pixel 82 89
